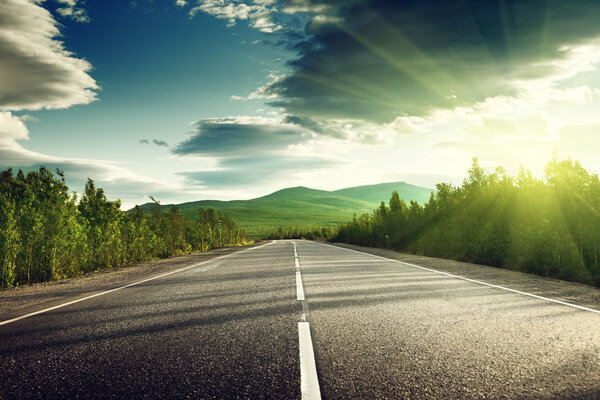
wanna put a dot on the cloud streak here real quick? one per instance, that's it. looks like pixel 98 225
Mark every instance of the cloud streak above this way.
pixel 249 171
pixel 250 151
pixel 160 143
pixel 237 136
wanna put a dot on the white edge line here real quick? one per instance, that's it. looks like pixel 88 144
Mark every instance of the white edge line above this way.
pixel 471 280
pixel 299 288
pixel 8 321
pixel 309 382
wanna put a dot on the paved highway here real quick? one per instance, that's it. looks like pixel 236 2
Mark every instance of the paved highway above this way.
pixel 303 320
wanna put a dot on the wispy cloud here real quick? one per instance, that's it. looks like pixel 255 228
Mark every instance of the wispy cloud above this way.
pixel 235 136
pixel 259 14
pixel 160 143
pixel 248 171
pixel 71 10
pixel 262 92
pixel 250 150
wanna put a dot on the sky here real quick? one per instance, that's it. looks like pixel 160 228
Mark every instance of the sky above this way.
pixel 186 100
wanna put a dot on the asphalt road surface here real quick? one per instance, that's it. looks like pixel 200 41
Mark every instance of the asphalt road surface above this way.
pixel 298 319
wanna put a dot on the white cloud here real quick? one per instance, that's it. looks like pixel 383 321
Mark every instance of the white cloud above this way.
pixel 37 71
pixel 180 3
pixel 259 13
pixel 577 58
pixel 264 23
pixel 408 125
pixel 75 13
pixel 231 11
pixel 524 111
pixel 356 131
pixel 12 128
pixel 304 6
pixel 263 92
pixel 534 94
pixel 72 11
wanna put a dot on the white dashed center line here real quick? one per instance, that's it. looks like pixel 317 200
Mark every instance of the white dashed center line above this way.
pixel 299 288
pixel 309 380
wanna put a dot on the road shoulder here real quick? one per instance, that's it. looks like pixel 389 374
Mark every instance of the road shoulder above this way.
pixel 26 299
pixel 576 293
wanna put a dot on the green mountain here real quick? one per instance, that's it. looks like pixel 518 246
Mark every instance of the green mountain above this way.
pixel 303 207
pixel 383 191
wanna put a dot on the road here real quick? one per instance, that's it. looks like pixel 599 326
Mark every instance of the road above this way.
pixel 298 319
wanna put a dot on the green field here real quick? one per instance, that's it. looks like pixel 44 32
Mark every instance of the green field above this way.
pixel 302 207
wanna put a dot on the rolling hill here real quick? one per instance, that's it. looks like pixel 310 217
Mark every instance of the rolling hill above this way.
pixel 383 191
pixel 303 207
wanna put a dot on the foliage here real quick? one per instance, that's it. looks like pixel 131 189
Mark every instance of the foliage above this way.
pixel 548 226
pixel 322 233
pixel 46 234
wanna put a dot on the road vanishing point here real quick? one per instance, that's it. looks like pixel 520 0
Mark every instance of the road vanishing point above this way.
pixel 303 320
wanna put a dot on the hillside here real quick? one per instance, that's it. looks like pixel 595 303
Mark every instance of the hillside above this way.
pixel 382 191
pixel 303 207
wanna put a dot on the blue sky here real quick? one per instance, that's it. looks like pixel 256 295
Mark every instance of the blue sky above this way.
pixel 155 79
pixel 187 100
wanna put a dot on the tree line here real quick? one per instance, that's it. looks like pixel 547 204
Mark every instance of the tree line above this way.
pixel 46 233
pixel 548 226
pixel 322 233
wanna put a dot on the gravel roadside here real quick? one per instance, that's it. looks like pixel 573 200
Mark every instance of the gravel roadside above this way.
pixel 576 293
pixel 26 299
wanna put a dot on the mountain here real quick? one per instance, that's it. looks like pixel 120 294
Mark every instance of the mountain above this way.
pixel 383 191
pixel 303 207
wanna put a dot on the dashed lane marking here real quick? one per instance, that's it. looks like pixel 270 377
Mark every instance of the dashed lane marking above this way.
pixel 309 381
pixel 299 287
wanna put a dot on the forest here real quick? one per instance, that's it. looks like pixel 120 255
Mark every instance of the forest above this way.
pixel 47 233
pixel 548 226
pixel 322 233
